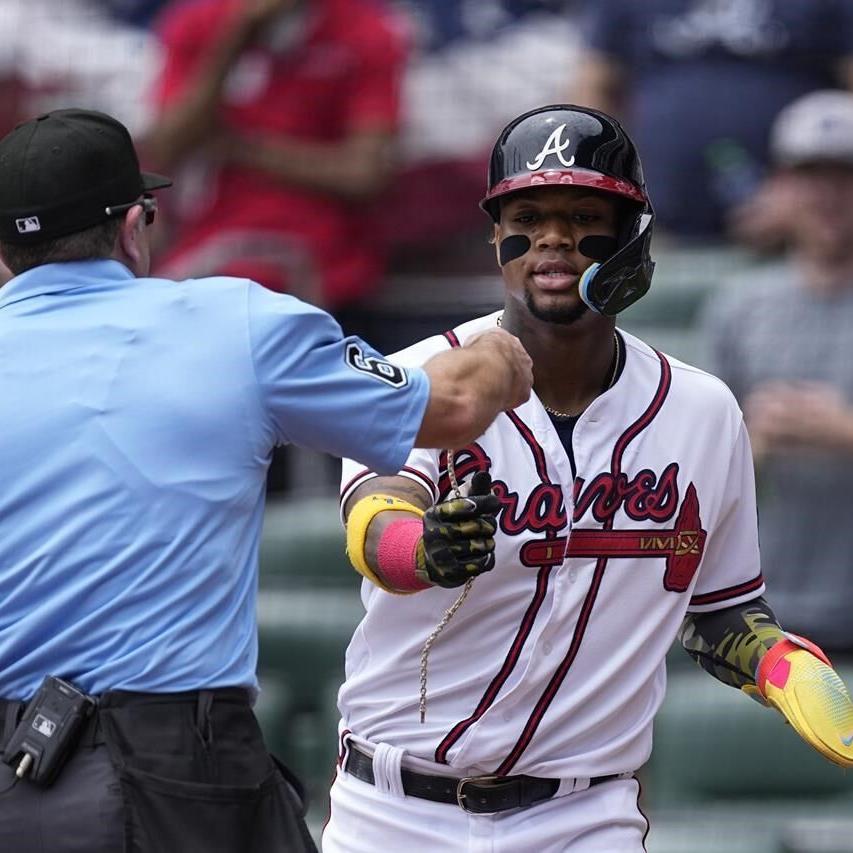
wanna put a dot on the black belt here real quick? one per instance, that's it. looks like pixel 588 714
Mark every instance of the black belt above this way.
pixel 12 710
pixel 91 734
pixel 474 794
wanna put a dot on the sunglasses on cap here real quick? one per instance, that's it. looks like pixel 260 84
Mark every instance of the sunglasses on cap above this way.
pixel 149 205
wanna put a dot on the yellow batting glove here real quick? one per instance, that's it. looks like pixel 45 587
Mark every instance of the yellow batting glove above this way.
pixel 797 679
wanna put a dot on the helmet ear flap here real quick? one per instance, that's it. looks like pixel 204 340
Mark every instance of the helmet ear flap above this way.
pixel 612 286
pixel 585 282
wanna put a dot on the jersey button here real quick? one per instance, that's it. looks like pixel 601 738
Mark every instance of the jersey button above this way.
pixel 547 648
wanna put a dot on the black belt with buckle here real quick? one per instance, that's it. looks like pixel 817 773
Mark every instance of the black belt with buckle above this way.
pixel 475 794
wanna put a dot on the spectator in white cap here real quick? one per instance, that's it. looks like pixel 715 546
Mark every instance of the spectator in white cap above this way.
pixel 782 339
pixel 814 129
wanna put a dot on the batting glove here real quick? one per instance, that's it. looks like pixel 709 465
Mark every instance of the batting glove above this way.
pixel 458 541
pixel 797 679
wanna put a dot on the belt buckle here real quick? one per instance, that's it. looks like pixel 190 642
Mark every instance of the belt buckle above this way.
pixel 461 796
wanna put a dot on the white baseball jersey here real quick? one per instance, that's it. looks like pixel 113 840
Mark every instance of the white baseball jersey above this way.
pixel 554 665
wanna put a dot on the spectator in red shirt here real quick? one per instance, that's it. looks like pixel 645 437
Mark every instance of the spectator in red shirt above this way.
pixel 285 113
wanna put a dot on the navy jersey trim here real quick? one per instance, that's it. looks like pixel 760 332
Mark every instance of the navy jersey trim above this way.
pixel 367 474
pixel 728 592
pixel 640 810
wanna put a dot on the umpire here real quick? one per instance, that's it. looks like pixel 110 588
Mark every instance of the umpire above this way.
pixel 139 418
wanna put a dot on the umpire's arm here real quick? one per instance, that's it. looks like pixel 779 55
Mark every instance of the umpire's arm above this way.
pixel 470 386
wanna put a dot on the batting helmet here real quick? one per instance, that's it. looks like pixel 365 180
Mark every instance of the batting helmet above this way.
pixel 567 145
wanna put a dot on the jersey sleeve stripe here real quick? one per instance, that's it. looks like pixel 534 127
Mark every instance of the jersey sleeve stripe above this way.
pixel 452 339
pixel 421 478
pixel 362 476
pixel 366 474
pixel 728 592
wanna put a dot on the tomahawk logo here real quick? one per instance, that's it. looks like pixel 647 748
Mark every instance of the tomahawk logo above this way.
pixel 556 146
pixel 373 366
pixel 28 225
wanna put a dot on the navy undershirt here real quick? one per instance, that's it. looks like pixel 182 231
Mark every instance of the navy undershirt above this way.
pixel 565 426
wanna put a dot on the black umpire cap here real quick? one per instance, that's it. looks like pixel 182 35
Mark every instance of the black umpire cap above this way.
pixel 61 172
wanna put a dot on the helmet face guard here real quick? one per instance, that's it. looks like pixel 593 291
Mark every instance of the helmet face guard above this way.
pixel 566 145
pixel 611 286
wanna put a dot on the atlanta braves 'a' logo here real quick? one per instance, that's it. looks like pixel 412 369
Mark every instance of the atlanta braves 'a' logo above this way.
pixel 556 146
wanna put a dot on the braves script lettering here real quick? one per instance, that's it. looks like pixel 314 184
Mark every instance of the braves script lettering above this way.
pixel 466 463
pixel 543 509
pixel 645 497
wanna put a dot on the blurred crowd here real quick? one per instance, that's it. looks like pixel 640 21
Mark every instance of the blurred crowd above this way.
pixel 336 149
pixel 319 144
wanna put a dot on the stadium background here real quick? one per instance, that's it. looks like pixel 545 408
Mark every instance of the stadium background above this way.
pixel 725 775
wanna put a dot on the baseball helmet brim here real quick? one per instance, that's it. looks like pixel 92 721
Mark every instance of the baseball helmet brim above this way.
pixel 566 178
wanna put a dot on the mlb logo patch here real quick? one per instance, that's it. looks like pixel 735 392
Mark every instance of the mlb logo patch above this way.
pixel 28 225
pixel 43 725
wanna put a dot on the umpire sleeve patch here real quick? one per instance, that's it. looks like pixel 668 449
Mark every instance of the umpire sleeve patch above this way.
pixel 380 369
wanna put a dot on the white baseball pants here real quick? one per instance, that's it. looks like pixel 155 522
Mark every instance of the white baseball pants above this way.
pixel 367 819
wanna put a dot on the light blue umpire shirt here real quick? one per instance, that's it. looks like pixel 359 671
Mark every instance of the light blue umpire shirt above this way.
pixel 138 421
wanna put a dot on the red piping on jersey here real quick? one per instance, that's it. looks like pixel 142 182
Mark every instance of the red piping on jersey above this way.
pixel 342 746
pixel 508 665
pixel 728 592
pixel 580 628
pixel 529 615
pixel 645 419
pixel 533 444
pixel 452 339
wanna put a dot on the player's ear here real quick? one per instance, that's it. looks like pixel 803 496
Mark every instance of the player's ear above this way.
pixel 494 241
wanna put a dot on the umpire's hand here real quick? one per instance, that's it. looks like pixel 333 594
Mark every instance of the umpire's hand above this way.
pixel 458 541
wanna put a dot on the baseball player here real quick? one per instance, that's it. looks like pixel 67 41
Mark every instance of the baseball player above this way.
pixel 522 591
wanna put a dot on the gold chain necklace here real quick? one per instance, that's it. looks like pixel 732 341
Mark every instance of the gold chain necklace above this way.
pixel 616 357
